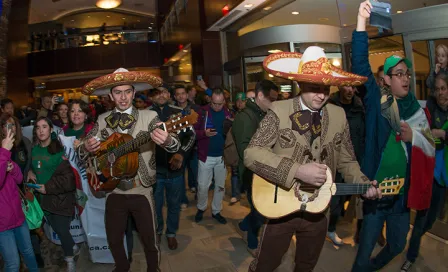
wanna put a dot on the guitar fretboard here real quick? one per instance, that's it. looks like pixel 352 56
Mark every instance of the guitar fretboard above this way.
pixel 351 189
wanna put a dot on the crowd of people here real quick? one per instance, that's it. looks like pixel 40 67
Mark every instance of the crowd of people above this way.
pixel 291 143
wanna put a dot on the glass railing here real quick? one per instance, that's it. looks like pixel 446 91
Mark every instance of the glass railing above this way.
pixel 61 41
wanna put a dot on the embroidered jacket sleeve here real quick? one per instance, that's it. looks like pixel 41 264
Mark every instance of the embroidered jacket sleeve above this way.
pixel 347 164
pixel 175 144
pixel 82 152
pixel 260 158
pixel 187 140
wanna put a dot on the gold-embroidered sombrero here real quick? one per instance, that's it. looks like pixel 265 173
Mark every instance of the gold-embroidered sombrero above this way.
pixel 139 79
pixel 312 67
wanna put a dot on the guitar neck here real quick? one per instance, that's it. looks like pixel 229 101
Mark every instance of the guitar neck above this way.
pixel 134 144
pixel 351 189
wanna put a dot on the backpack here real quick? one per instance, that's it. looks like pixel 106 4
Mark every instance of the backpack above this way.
pixel 231 157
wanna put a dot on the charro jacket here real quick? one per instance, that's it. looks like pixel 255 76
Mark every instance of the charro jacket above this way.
pixel 146 121
pixel 276 151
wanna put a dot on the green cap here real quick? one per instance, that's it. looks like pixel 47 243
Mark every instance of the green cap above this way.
pixel 393 60
pixel 241 96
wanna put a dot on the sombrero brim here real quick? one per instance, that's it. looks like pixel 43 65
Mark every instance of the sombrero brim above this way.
pixel 140 80
pixel 286 65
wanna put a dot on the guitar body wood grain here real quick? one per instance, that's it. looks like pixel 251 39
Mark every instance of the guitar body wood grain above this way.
pixel 124 167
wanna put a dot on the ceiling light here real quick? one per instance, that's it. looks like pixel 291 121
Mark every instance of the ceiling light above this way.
pixel 188 64
pixel 185 51
pixel 344 24
pixel 399 11
pixel 248 5
pixel 267 8
pixel 271 75
pixel 108 4
pixel 336 63
pixel 108 16
pixel 180 68
pixel 273 51
pixel 73 20
pixel 123 18
pixel 323 19
pixel 88 16
pixel 295 13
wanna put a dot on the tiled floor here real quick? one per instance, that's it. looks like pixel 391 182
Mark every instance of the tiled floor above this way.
pixel 210 246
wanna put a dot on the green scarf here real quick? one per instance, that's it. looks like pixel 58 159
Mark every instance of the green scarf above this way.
pixel 395 110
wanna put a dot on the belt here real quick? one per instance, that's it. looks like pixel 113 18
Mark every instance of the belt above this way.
pixel 127 184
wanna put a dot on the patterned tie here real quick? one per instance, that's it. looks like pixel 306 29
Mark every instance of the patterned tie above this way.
pixel 122 120
pixel 305 120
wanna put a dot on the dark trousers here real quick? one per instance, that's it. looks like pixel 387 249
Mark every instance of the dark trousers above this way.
pixel 192 166
pixel 173 189
pixel 252 222
pixel 396 216
pixel 130 236
pixel 425 219
pixel 118 208
pixel 310 231
pixel 61 225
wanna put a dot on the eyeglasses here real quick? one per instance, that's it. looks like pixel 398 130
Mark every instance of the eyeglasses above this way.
pixel 402 75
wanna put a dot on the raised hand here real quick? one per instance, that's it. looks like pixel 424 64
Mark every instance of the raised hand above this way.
pixel 8 142
pixel 364 11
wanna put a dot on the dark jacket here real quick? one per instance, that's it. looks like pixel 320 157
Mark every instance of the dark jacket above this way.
pixel 438 118
pixel 244 127
pixel 61 188
pixel 187 140
pixel 356 121
pixel 203 140
pixel 355 118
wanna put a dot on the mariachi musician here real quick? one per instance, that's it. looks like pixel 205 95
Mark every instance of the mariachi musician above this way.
pixel 295 144
pixel 133 196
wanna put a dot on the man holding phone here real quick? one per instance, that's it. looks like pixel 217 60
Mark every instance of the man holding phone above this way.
pixel 211 139
pixel 48 102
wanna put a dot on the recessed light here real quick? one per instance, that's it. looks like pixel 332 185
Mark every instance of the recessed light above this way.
pixel 185 51
pixel 188 64
pixel 123 18
pixel 399 11
pixel 108 16
pixel 73 20
pixel 180 68
pixel 248 5
pixel 88 16
pixel 295 13
pixel 344 24
pixel 271 75
pixel 267 8
pixel 273 51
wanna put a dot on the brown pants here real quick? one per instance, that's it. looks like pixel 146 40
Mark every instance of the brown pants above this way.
pixel 310 231
pixel 118 208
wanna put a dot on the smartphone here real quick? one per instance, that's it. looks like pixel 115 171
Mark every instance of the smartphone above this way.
pixel 199 77
pixel 59 99
pixel 380 15
pixel 32 185
pixel 9 127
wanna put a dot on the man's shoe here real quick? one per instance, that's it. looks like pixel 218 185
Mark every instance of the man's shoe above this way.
pixel 233 200
pixel 199 216
pixel 219 218
pixel 381 240
pixel 406 266
pixel 333 237
pixel 172 243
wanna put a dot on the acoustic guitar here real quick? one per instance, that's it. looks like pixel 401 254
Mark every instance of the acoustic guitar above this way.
pixel 274 202
pixel 117 158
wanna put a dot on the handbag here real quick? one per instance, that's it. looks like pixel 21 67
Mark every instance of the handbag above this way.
pixel 32 210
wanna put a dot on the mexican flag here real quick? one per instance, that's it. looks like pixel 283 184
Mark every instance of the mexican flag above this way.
pixel 422 162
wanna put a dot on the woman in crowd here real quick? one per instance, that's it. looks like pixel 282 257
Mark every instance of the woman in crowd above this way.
pixel 437 105
pixel 21 155
pixel 57 185
pixel 14 232
pixel 79 119
pixel 61 113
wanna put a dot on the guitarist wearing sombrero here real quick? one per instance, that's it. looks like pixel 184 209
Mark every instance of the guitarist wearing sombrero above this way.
pixel 133 195
pixel 294 145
